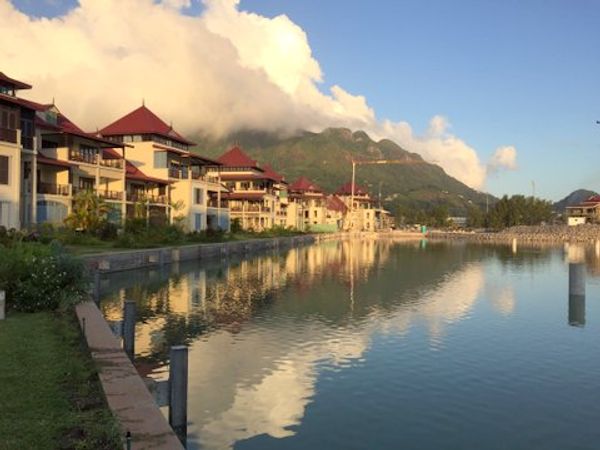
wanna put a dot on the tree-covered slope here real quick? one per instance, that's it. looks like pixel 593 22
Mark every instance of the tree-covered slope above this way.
pixel 572 199
pixel 326 159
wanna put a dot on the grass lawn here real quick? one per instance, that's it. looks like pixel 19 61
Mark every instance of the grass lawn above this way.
pixel 50 396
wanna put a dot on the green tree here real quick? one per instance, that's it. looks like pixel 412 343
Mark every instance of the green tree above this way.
pixel 89 212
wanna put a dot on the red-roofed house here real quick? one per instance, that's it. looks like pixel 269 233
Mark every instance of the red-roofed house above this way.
pixel 335 212
pixel 587 211
pixel 307 201
pixel 254 193
pixel 161 153
pixel 361 215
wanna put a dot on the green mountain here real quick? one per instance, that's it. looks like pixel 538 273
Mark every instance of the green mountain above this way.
pixel 326 158
pixel 572 199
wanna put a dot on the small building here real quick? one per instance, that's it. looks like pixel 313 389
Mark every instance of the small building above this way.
pixel 335 212
pixel 587 211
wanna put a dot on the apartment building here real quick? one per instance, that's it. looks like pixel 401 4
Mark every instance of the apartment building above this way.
pixel 309 204
pixel 361 213
pixel 17 141
pixel 280 187
pixel 170 172
pixel 253 192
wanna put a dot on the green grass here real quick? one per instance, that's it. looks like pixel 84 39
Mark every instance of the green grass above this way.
pixel 50 396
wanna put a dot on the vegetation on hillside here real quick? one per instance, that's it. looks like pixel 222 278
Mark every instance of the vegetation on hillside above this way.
pixel 326 159
pixel 573 198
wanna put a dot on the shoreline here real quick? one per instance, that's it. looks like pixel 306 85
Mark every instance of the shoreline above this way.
pixel 542 234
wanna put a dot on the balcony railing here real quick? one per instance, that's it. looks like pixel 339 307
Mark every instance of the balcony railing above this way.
pixel 215 204
pixel 143 197
pixel 83 157
pixel 179 173
pixel 112 163
pixel 110 195
pixel 8 135
pixel 53 189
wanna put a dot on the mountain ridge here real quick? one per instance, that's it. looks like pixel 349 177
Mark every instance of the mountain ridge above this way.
pixel 326 158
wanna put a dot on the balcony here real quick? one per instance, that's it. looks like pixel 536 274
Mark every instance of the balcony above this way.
pixel 144 197
pixel 83 157
pixel 178 173
pixel 110 195
pixel 112 163
pixel 215 204
pixel 54 189
pixel 8 135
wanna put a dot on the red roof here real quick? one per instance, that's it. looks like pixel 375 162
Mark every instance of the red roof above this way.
pixel 133 173
pixel 303 184
pixel 236 157
pixel 588 202
pixel 142 121
pixel 16 84
pixel 41 159
pixel 270 173
pixel 346 189
pixel 334 203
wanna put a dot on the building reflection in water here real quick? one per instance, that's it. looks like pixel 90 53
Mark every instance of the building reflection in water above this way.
pixel 261 331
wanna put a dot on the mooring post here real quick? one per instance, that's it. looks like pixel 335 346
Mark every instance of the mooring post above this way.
pixel 514 245
pixel 129 328
pixel 178 390
pixel 2 305
pixel 577 294
pixel 577 279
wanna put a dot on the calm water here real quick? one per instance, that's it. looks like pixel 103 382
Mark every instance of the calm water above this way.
pixel 377 345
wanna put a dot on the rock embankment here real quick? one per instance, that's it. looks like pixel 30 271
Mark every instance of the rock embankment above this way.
pixel 541 233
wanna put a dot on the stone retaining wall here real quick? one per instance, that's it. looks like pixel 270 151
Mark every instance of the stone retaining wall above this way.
pixel 137 259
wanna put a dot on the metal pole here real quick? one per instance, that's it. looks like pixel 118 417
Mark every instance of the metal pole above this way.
pixel 352 195
pixel 129 328
pixel 178 390
pixel 2 305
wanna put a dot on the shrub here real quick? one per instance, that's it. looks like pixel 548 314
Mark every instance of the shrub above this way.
pixel 40 277
pixel 236 225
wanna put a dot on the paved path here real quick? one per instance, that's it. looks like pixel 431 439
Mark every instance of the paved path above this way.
pixel 127 396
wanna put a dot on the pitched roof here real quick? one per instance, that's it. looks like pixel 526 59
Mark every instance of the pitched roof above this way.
pixel 16 84
pixel 334 203
pixel 142 121
pixel 236 157
pixel 303 184
pixel 133 173
pixel 594 200
pixel 346 189
pixel 270 173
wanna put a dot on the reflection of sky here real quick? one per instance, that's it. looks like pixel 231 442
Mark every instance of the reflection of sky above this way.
pixel 278 324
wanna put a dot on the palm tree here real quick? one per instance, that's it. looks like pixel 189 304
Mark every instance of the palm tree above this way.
pixel 89 212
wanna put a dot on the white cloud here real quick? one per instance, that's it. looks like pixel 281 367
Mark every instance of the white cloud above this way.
pixel 224 70
pixel 503 158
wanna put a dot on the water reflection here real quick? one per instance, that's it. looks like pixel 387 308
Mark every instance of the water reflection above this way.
pixel 263 333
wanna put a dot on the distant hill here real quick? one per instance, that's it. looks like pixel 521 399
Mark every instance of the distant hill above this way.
pixel 573 198
pixel 326 159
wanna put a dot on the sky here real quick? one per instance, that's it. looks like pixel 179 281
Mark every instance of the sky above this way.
pixel 503 95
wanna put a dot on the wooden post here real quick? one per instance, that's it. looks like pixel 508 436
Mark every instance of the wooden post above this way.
pixel 129 328
pixel 178 390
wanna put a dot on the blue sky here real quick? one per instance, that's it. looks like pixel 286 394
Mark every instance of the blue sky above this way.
pixel 522 73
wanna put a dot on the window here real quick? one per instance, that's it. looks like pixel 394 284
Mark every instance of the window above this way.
pixel 197 222
pixel 316 213
pixel 4 163
pixel 198 196
pixel 160 160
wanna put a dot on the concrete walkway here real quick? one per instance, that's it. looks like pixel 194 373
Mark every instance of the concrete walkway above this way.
pixel 127 396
